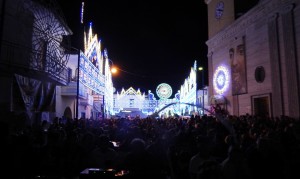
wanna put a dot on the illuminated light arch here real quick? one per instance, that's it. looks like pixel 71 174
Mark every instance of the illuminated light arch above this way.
pixel 164 91
pixel 221 79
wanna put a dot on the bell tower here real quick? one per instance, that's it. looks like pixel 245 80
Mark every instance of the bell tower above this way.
pixel 220 15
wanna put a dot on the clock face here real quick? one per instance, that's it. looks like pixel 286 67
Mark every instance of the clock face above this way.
pixel 219 10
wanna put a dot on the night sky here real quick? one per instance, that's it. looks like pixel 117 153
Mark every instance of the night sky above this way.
pixel 153 41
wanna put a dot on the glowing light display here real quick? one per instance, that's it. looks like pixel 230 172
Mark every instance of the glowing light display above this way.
pixel 164 91
pixel 81 13
pixel 90 76
pixel 221 79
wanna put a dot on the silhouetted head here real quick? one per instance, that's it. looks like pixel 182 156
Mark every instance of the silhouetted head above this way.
pixel 137 145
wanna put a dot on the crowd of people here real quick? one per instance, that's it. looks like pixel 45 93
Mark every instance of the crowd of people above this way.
pixel 201 147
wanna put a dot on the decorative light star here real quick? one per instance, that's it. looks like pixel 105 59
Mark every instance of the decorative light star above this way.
pixel 221 79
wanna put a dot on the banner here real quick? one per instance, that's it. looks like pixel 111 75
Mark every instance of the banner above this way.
pixel 33 95
pixel 238 68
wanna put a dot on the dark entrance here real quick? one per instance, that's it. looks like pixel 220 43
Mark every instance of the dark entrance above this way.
pixel 68 113
pixel 261 105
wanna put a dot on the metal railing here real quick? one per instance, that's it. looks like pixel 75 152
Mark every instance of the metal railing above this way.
pixel 17 58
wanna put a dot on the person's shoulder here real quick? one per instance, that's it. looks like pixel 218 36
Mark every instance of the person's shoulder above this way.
pixel 196 157
pixel 111 150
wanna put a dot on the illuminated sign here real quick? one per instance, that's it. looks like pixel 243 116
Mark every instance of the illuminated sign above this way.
pixel 221 79
pixel 164 91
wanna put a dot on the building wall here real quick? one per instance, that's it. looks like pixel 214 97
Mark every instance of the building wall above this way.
pixel 62 102
pixel 270 32
pixel 202 96
pixel 25 52
pixel 217 24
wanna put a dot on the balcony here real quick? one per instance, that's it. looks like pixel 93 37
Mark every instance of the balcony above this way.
pixel 71 90
pixel 19 59
pixel 87 101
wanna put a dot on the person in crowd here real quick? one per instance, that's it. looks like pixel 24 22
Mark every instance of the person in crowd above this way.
pixel 103 156
pixel 235 165
pixel 270 147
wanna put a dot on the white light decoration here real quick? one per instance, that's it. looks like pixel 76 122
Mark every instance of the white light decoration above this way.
pixel 221 79
pixel 81 13
pixel 164 91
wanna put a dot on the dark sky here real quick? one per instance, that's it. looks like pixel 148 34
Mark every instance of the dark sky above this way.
pixel 153 41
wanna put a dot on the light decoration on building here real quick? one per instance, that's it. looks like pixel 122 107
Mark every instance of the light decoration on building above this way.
pixel 89 75
pixel 92 49
pixel 164 91
pixel 221 79
pixel 82 12
pixel 132 91
pixel 188 92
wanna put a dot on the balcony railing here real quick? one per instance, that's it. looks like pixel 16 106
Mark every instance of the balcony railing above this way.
pixel 16 58
pixel 71 90
pixel 88 101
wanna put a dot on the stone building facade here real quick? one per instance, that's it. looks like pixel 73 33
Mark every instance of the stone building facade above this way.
pixel 253 58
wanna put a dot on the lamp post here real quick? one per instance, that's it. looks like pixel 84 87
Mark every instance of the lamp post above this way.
pixel 77 81
pixel 77 85
pixel 201 69
pixel 103 106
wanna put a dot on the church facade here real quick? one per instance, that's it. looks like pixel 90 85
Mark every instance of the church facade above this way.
pixel 253 57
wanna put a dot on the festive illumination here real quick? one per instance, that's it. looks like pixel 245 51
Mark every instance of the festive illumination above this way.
pixel 164 91
pixel 221 79
pixel 132 91
pixel 92 49
pixel 90 76
pixel 188 91
pixel 82 12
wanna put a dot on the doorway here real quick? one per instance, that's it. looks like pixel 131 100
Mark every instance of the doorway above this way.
pixel 68 113
pixel 261 105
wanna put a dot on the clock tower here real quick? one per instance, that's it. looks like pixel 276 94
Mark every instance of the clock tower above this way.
pixel 220 15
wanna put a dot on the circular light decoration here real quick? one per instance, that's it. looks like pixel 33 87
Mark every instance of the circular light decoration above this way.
pixel 164 91
pixel 221 79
